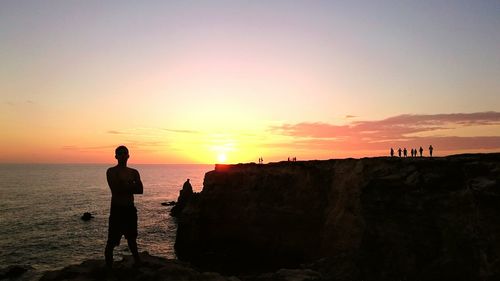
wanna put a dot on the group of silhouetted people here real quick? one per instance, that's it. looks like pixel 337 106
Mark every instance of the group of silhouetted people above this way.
pixel 261 160
pixel 413 151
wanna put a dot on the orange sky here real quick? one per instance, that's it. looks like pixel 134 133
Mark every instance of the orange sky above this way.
pixel 186 82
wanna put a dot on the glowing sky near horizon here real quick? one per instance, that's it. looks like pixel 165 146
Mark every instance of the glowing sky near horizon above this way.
pixel 210 81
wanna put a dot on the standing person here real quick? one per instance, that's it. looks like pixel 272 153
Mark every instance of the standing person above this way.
pixel 399 151
pixel 187 187
pixel 185 195
pixel 405 152
pixel 421 150
pixel 392 152
pixel 124 182
pixel 430 150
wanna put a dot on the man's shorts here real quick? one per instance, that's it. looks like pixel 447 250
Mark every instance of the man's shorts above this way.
pixel 122 221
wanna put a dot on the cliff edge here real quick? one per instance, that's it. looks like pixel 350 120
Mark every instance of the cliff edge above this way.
pixel 350 219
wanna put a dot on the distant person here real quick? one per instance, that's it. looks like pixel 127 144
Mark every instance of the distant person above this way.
pixel 124 182
pixel 187 187
pixel 405 152
pixel 421 150
pixel 412 152
pixel 430 150
pixel 185 194
pixel 392 152
pixel 399 151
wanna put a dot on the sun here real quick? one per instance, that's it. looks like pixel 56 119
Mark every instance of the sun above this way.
pixel 221 158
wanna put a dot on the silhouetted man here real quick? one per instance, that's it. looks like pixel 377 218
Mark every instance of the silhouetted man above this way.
pixel 421 150
pixel 405 152
pixel 124 182
pixel 399 152
pixel 430 150
pixel 392 152
pixel 187 187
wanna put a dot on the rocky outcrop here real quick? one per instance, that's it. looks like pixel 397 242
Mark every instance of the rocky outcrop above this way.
pixel 350 219
pixel 156 268
pixel 152 268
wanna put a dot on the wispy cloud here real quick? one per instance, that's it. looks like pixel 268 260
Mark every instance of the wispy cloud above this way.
pixel 150 131
pixel 88 148
pixel 402 130
pixel 182 131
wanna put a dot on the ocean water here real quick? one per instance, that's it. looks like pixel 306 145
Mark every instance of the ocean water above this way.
pixel 41 206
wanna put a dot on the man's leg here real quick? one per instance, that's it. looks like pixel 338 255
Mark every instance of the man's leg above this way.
pixel 108 254
pixel 132 245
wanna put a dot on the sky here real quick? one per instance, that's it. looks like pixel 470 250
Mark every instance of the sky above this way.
pixel 231 81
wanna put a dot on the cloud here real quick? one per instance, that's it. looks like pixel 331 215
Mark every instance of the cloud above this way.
pixel 149 131
pixel 182 131
pixel 87 148
pixel 401 130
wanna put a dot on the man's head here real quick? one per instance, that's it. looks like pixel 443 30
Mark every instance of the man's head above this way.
pixel 121 154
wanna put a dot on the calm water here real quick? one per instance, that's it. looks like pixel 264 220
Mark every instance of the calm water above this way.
pixel 41 205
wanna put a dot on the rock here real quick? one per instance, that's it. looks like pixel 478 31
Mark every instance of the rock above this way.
pixel 291 275
pixel 87 216
pixel 364 219
pixel 152 268
pixel 14 271
pixel 171 203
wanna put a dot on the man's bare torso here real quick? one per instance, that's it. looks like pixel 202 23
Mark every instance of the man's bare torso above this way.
pixel 124 182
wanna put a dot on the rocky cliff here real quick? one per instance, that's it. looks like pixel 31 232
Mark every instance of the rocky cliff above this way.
pixel 350 219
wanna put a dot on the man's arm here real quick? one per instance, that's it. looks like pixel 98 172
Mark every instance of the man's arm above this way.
pixel 121 187
pixel 138 188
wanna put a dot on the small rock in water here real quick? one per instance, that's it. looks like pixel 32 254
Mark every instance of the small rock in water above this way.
pixel 87 216
pixel 171 203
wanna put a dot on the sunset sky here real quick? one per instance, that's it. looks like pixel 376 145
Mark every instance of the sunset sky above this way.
pixel 231 81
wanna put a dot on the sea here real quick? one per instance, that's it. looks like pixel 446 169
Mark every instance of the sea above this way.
pixel 41 207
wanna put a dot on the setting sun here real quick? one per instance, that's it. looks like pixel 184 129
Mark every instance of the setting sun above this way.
pixel 221 158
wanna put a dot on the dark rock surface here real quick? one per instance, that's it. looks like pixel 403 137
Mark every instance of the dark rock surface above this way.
pixel 350 219
pixel 15 272
pixel 153 268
